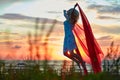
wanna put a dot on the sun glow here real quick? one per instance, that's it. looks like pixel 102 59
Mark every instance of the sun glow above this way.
pixel 14 31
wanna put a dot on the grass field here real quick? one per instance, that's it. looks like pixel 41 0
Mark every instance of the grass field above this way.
pixel 45 71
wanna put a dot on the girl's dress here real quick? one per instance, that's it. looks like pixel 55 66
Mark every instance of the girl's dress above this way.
pixel 69 39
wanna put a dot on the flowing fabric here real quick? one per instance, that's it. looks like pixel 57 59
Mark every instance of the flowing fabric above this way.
pixel 87 44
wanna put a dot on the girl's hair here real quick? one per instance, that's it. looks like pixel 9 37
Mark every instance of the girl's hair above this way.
pixel 73 15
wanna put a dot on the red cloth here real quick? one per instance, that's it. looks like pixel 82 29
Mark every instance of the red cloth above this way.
pixel 87 44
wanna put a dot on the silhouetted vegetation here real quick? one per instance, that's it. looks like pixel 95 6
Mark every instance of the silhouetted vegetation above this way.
pixel 33 69
pixel 45 71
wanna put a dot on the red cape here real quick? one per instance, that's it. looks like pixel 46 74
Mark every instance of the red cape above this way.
pixel 87 44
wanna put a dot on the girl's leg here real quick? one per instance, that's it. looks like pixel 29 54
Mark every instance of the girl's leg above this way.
pixel 77 58
pixel 81 61
pixel 73 57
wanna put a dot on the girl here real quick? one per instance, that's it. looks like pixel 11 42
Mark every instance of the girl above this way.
pixel 84 36
pixel 70 48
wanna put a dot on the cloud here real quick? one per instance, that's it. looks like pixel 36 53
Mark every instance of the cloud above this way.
pixel 12 1
pixel 54 12
pixel 108 17
pixel 106 38
pixel 109 29
pixel 11 37
pixel 105 41
pixel 12 16
pixel 112 30
pixel 109 9
pixel 94 6
pixel 73 0
pixel 3 2
pixel 7 3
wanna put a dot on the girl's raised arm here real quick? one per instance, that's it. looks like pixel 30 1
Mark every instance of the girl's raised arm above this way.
pixel 65 14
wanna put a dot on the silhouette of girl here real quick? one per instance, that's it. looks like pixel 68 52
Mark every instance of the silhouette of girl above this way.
pixel 70 48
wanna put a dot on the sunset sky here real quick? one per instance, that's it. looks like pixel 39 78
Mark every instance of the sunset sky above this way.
pixel 17 19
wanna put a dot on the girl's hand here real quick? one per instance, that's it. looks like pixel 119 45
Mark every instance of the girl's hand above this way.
pixel 65 14
pixel 76 4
